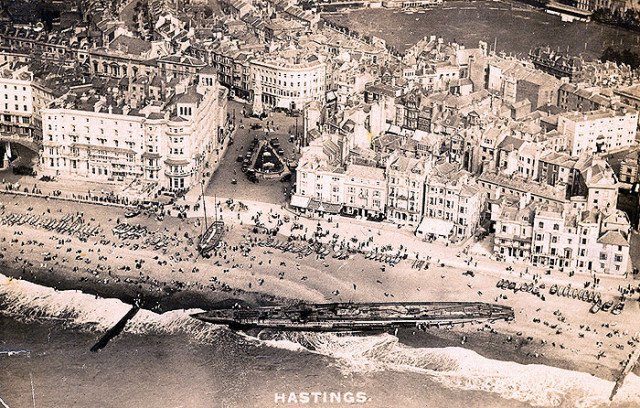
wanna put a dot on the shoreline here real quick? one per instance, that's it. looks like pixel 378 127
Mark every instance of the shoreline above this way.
pixel 489 345
pixel 200 375
pixel 174 278
pixel 129 293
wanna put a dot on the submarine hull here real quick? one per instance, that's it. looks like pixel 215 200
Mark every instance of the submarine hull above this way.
pixel 345 317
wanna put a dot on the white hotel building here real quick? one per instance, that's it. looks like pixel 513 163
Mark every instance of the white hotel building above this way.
pixel 598 131
pixel 16 100
pixel 288 83
pixel 86 136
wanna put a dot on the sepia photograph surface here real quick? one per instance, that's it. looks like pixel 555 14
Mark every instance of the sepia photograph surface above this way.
pixel 330 203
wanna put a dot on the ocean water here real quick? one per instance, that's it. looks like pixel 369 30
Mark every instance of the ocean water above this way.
pixel 174 360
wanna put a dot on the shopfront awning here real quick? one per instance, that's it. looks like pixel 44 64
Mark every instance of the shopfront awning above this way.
pixel 434 226
pixel 330 208
pixel 300 201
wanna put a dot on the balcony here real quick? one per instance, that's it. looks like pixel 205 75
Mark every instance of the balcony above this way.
pixel 176 173
pixel 152 166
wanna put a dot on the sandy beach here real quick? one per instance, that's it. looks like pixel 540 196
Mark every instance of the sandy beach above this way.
pixel 554 331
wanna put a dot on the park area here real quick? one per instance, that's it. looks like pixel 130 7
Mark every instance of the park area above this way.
pixel 515 27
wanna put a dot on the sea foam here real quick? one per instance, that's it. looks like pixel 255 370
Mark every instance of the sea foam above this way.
pixel 459 368
pixel 28 302
pixel 453 367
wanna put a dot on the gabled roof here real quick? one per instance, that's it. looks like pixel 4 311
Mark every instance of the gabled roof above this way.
pixel 510 143
pixel 130 45
pixel 613 238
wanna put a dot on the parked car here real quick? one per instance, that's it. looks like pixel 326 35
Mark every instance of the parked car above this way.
pixel 24 170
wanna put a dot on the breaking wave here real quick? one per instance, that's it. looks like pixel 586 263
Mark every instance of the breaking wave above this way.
pixel 463 369
pixel 452 367
pixel 28 302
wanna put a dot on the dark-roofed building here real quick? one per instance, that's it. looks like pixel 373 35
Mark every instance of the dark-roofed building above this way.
pixel 557 64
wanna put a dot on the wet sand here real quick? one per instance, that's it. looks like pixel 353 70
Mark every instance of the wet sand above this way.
pixel 239 277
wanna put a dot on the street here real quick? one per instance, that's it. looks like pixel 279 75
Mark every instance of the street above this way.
pixel 269 191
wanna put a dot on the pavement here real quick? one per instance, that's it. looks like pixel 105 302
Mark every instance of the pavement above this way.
pixel 242 263
pixel 384 234
pixel 271 191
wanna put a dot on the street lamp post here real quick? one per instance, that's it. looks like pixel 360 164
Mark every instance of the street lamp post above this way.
pixel 204 206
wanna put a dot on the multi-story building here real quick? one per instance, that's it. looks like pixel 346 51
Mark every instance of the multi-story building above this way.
pixel 365 191
pixel 500 184
pixel 288 82
pixel 179 66
pixel 513 232
pixel 323 185
pixel 572 98
pixel 598 131
pixel 48 46
pixel 557 168
pixel 406 183
pixel 319 179
pixel 629 95
pixel 517 156
pixel 516 83
pixel 557 64
pixel 581 241
pixel 16 99
pixel 453 203
pixel 597 182
pixel 92 137
pixel 124 56
pixel 629 168
pixel 562 237
pixel 486 151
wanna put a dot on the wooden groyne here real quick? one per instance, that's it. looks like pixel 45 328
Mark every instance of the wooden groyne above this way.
pixel 115 330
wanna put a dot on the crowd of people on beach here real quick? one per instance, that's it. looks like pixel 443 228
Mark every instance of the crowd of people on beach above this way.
pixel 249 246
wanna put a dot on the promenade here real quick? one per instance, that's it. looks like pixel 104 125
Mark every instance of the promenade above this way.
pixel 162 258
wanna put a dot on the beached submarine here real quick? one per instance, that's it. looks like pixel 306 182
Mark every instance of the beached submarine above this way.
pixel 341 317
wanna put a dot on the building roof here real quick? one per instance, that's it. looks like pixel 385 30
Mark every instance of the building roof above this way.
pixel 510 143
pixel 130 45
pixel 191 96
pixel 559 159
pixel 524 186
pixel 613 238
pixel 365 172
pixel 593 115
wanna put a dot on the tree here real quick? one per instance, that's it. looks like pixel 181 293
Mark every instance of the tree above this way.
pixel 625 56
